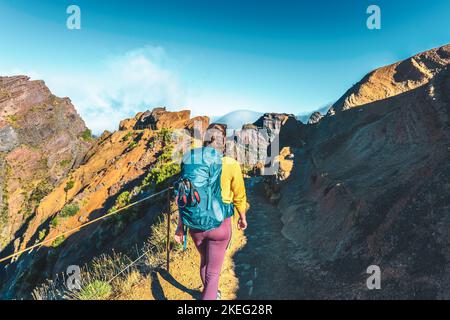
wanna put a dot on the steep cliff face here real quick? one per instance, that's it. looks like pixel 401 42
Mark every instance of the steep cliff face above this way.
pixel 41 138
pixel 395 79
pixel 372 187
pixel 285 127
pixel 260 143
pixel 121 167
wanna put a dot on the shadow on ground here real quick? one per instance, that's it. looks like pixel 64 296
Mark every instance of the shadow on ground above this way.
pixel 157 290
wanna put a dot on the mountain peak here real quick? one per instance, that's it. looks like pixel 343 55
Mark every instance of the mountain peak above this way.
pixel 394 79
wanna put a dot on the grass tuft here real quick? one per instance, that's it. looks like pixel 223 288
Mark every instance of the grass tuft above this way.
pixel 96 290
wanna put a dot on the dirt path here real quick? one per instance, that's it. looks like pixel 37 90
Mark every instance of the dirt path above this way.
pixel 261 265
pixel 254 268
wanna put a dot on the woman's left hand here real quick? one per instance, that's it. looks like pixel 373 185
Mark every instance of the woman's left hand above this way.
pixel 179 235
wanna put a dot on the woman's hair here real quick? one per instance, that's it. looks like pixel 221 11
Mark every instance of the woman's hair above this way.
pixel 215 136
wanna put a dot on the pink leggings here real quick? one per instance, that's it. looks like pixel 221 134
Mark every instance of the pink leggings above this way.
pixel 212 246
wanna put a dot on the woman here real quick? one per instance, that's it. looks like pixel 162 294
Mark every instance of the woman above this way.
pixel 212 245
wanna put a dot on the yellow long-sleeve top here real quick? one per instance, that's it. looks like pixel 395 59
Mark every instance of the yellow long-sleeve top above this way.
pixel 232 184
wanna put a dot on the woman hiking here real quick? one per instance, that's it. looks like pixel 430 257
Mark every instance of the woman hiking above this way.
pixel 210 191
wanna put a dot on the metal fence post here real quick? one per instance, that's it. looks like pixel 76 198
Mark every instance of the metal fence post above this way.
pixel 168 232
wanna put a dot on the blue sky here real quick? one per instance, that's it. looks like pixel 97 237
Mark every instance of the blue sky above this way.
pixel 210 56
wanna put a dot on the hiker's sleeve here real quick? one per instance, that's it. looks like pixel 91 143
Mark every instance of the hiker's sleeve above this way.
pixel 238 189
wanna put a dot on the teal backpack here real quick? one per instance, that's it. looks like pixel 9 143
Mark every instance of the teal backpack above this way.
pixel 198 191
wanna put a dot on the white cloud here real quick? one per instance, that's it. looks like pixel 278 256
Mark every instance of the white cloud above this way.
pixel 216 103
pixel 120 87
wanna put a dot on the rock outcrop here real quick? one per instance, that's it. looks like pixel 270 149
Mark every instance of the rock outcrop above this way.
pixel 286 126
pixel 41 138
pixel 160 118
pixel 260 143
pixel 315 118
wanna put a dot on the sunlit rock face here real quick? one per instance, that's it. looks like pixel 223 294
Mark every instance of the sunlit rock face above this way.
pixel 395 79
pixel 41 139
pixel 115 167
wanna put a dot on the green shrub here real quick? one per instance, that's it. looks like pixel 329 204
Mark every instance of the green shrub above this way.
pixel 40 192
pixel 12 120
pixel 166 155
pixel 54 222
pixel 4 215
pixel 69 210
pixel 132 145
pixel 96 290
pixel 4 205
pixel 123 199
pixel 159 174
pixel 58 241
pixel 42 234
pixel 64 163
pixel 86 135
pixel 69 185
pixel 165 135
pixel 127 136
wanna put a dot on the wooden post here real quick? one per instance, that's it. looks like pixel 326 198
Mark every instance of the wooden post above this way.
pixel 168 232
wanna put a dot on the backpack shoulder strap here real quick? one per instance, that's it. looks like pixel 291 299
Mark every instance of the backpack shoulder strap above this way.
pixel 209 195
pixel 185 230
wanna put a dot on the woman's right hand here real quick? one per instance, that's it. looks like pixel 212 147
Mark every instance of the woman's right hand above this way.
pixel 242 223
pixel 179 235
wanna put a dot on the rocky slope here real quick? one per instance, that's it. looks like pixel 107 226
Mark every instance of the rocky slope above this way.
pixel 41 138
pixel 395 79
pixel 120 167
pixel 372 187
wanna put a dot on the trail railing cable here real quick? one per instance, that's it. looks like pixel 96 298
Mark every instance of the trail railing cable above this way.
pixel 70 231
pixel 129 265
pixel 146 253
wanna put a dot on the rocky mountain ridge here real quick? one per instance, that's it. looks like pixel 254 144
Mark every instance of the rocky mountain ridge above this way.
pixel 41 138
pixel 120 167
pixel 395 79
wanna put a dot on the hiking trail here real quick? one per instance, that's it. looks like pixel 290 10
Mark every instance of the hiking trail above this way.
pixel 254 266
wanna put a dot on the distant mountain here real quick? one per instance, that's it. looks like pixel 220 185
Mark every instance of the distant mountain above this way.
pixel 304 117
pixel 236 119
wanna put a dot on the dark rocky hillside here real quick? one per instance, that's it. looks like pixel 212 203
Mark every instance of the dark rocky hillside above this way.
pixel 372 187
